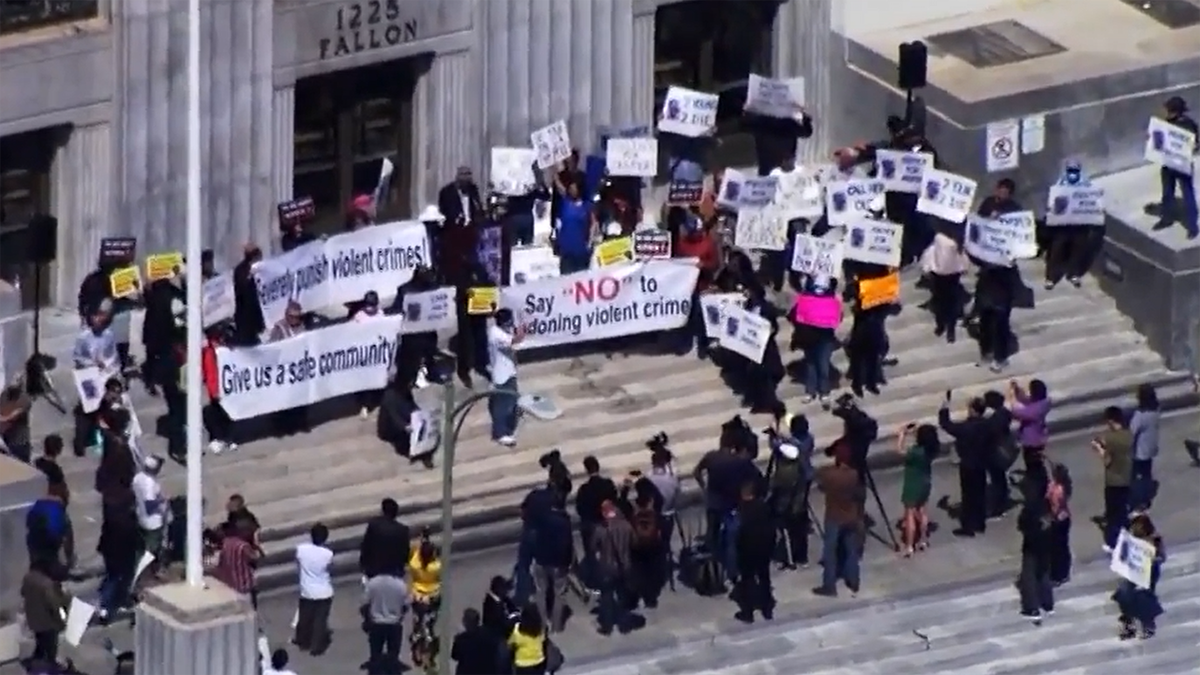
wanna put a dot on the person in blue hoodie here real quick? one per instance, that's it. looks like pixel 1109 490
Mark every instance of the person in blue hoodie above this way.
pixel 49 536
pixel 1071 249
pixel 574 231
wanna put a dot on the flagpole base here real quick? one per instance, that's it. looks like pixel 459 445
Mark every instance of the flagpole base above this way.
pixel 188 630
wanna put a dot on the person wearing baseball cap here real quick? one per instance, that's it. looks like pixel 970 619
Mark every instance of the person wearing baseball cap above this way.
pixel 1173 180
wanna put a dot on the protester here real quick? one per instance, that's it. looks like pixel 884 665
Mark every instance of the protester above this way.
pixel 1144 425
pixel 385 602
pixel 1115 447
pixel 868 336
pixel 1034 523
pixel 818 342
pixel 1175 111
pixel 1030 409
pixel 248 319
pixel 290 421
pixel 159 330
pixel 45 605
pixel 974 442
pixel 553 555
pixel 1071 248
pixel 52 447
pixel 367 310
pixel 95 347
pixel 575 231
pixel 499 610
pixel 944 263
pixel 475 649
pixel 1140 606
pixel 596 490
pixel 528 643
pixel 917 483
pixel 313 559
pixel 613 543
pixel 49 534
pixel 151 507
pixel 503 337
pixel 755 547
pixel 697 241
pixel 764 378
pixel 15 439
pixel 120 541
pixel 1059 498
pixel 844 497
pixel 385 547
pixel 216 420
pixel 294 235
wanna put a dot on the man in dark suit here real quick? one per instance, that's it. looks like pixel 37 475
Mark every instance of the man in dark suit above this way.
pixel 460 201
pixel 386 544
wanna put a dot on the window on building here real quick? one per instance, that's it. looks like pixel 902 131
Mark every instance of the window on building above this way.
pixel 24 191
pixel 714 46
pixel 22 15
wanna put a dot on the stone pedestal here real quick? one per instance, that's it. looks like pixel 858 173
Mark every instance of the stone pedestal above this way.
pixel 20 485
pixel 15 334
pixel 185 630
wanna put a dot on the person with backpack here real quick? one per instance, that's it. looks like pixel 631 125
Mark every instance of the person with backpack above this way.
pixel 613 543
pixel 791 474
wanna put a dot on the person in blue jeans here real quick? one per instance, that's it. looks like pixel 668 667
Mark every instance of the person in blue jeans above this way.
pixel 1173 180
pixel 1144 425
pixel 1140 606
pixel 842 543
pixel 574 231
pixel 503 337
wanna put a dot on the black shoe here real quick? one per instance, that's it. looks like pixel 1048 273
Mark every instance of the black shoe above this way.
pixel 744 617
pixel 891 361
pixel 874 389
pixel 856 388
pixel 1162 224
pixel 1125 630
pixel 963 532
pixel 825 592
pixel 769 614
pixel 939 331
pixel 951 338
pixel 466 381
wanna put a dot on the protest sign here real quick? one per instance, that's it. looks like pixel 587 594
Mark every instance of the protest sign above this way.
pixel 162 265
pixel 296 212
pixel 651 244
pixel 551 144
pixel 739 189
pixel 874 241
pixel 1132 559
pixel 632 157
pixel 125 282
pixel 117 251
pixel 1022 229
pixel 532 263
pixel 817 257
pixel 818 311
pixel 684 193
pixel 878 291
pixel 543 227
pixel 745 333
pixel 769 97
pixel 605 133
pixel 846 201
pixel 429 311
pixel 712 306
pixel 1075 205
pixel 688 113
pixel 946 195
pixel 79 617
pixel 217 302
pixel 512 171
pixel 482 300
pixel 760 228
pixel 310 367
pixel 901 170
pixel 423 434
pixel 1170 146
pixel 603 303
pixel 990 241
pixel 613 252
pixel 341 269
pixel 799 194
pixel 89 384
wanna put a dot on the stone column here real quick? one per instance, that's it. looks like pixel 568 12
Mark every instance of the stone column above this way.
pixel 642 69
pixel 447 113
pixel 805 46
pixel 82 197
pixel 184 630
pixel 283 129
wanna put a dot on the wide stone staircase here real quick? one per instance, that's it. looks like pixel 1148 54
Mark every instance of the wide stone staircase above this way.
pixel 1074 339
pixel 970 629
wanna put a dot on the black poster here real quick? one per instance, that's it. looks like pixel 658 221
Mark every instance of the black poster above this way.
pixel 118 251
pixel 296 212
pixel 680 193
pixel 652 244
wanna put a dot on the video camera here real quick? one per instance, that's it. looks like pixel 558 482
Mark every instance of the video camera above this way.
pixel 658 442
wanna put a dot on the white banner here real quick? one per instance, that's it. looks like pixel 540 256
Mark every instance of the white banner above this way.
pixel 999 241
pixel 1133 559
pixel 848 200
pixel 1022 228
pixel 746 333
pixel 799 194
pixel 89 385
pixel 761 228
pixel 551 144
pixel 603 303
pixel 632 157
pixel 739 190
pixel 688 113
pixel 901 171
pixel 817 257
pixel 1075 205
pixel 713 307
pixel 429 311
pixel 532 263
pixel 341 269
pixel 874 241
pixel 512 171
pixel 946 195
pixel 1169 146
pixel 774 98
pixel 310 367
pixel 217 302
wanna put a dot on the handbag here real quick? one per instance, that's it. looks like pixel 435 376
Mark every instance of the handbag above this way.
pixel 554 657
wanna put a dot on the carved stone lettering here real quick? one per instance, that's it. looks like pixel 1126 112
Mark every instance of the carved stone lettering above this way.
pixel 365 26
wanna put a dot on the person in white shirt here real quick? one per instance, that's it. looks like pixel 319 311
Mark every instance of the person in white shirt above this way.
pixel 278 664
pixel 367 310
pixel 316 592
pixel 151 506
pixel 503 336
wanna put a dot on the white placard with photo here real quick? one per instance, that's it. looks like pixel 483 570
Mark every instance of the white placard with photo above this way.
pixel 799 194
pixel 946 195
pixel 429 311
pixel 817 257
pixel 731 188
pixel 632 157
pixel 1132 559
pixel 423 434
pixel 1022 228
pixel 551 144
pixel 605 133
pixel 770 97
pixel 990 241
pixel 745 333
pixel 1169 146
pixel 1075 205
pixel 532 263
pixel 761 228
pixel 217 302
pixel 901 170
pixel 512 171
pixel 89 385
pixel 874 241
pixel 713 305
pixel 848 200
pixel 688 113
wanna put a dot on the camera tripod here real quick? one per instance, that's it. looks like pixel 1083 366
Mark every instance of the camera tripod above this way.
pixel 38 382
pixel 869 480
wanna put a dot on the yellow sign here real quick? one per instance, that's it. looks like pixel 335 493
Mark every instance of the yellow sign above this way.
pixel 482 300
pixel 163 265
pixel 615 252
pixel 124 282
pixel 879 291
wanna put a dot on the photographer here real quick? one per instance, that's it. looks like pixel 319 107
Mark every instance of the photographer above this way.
pixel 859 431
pixel 790 477
pixel 596 490
pixel 975 443
pixel 662 475
pixel 721 474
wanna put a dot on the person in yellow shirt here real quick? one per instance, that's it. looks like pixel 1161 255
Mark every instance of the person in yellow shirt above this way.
pixel 425 584
pixel 528 643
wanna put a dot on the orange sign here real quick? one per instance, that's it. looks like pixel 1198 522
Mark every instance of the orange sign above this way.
pixel 879 291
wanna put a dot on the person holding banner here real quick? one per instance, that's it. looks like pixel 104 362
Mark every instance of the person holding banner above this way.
pixel 367 310
pixel 1140 606
pixel 291 421
pixel 1071 249
pixel 1176 114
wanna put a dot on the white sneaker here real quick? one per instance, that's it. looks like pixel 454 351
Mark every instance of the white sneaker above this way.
pixel 507 441
pixel 363 413
pixel 422 379
pixel 1106 548
pixel 807 398
pixel 216 447
pixel 232 447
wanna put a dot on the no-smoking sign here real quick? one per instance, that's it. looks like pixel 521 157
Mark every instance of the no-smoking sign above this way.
pixel 1002 138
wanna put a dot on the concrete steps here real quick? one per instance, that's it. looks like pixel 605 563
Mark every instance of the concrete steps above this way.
pixel 970 629
pixel 1074 340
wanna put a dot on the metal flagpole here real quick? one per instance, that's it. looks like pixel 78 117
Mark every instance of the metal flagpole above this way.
pixel 194 379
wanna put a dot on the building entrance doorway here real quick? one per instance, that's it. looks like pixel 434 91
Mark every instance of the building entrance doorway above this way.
pixel 25 162
pixel 346 124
